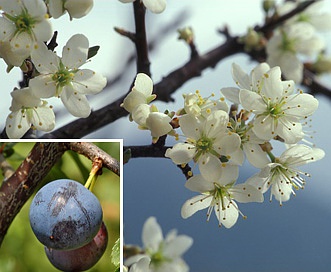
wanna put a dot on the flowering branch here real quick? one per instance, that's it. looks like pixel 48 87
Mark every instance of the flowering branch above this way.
pixel 175 79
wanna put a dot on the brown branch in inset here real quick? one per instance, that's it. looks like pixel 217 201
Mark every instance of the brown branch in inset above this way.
pixel 93 152
pixel 16 190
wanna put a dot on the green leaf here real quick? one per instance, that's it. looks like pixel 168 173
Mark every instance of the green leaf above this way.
pixel 92 51
pixel 115 255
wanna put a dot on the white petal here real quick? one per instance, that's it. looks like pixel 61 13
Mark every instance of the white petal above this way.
pixel 56 8
pixel 77 104
pixel 301 105
pixel 245 193
pixel 255 155
pixel 229 216
pixel 152 234
pixel 158 123
pixel 7 29
pixel 86 81
pixel 190 126
pixel 43 30
pixel 181 153
pixel 232 94
pixel 74 53
pixel 229 175
pixel 140 114
pixel 43 118
pixel 144 84
pixel 155 6
pixel 257 74
pixel 132 100
pixel 273 88
pixel 215 123
pixel 290 131
pixel 11 7
pixel 252 101
pixel 17 124
pixel 301 154
pixel 178 246
pixel 45 60
pixel 240 77
pixel 199 184
pixel 24 97
pixel 259 183
pixel 195 204
pixel 226 144
pixel 264 127
pixel 22 42
pixel 210 167
pixel 78 8
pixel 36 8
pixel 43 86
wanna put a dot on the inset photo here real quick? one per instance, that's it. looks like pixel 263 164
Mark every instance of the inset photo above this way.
pixel 60 206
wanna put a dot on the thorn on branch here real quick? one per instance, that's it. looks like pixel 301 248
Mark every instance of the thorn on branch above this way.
pixel 126 33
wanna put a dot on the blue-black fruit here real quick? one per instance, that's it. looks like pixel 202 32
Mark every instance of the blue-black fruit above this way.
pixel 65 215
pixel 82 258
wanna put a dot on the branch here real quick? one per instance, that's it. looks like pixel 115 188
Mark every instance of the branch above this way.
pixel 92 152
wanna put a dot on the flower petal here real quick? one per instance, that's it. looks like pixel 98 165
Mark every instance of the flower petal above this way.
pixel 152 234
pixel 17 124
pixel 43 86
pixel 181 153
pixel 45 60
pixel 245 193
pixel 195 204
pixel 86 81
pixel 155 6
pixel 199 184
pixel 144 84
pixel 77 104
pixel 74 53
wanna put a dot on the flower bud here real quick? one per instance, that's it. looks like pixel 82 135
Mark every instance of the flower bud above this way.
pixel 186 34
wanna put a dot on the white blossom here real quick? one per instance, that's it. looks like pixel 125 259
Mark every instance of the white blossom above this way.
pixel 75 8
pixel 289 41
pixel 198 106
pixel 141 93
pixel 282 175
pixel 219 194
pixel 278 108
pixel 149 118
pixel 23 24
pixel 28 111
pixel 155 6
pixel 165 253
pixel 61 77
pixel 207 139
pixel 315 15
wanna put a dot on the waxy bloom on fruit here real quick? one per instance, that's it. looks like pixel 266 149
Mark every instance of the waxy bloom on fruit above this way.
pixel 61 77
pixel 165 253
pixel 28 112
pixel 75 8
pixel 23 24
pixel 278 109
pixel 155 6
pixel 219 193
pixel 281 174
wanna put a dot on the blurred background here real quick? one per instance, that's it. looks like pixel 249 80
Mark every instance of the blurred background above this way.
pixel 21 251
pixel 294 237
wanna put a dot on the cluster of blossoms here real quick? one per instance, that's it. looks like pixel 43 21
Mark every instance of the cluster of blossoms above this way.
pixel 25 27
pixel 218 138
pixel 288 48
pixel 159 254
